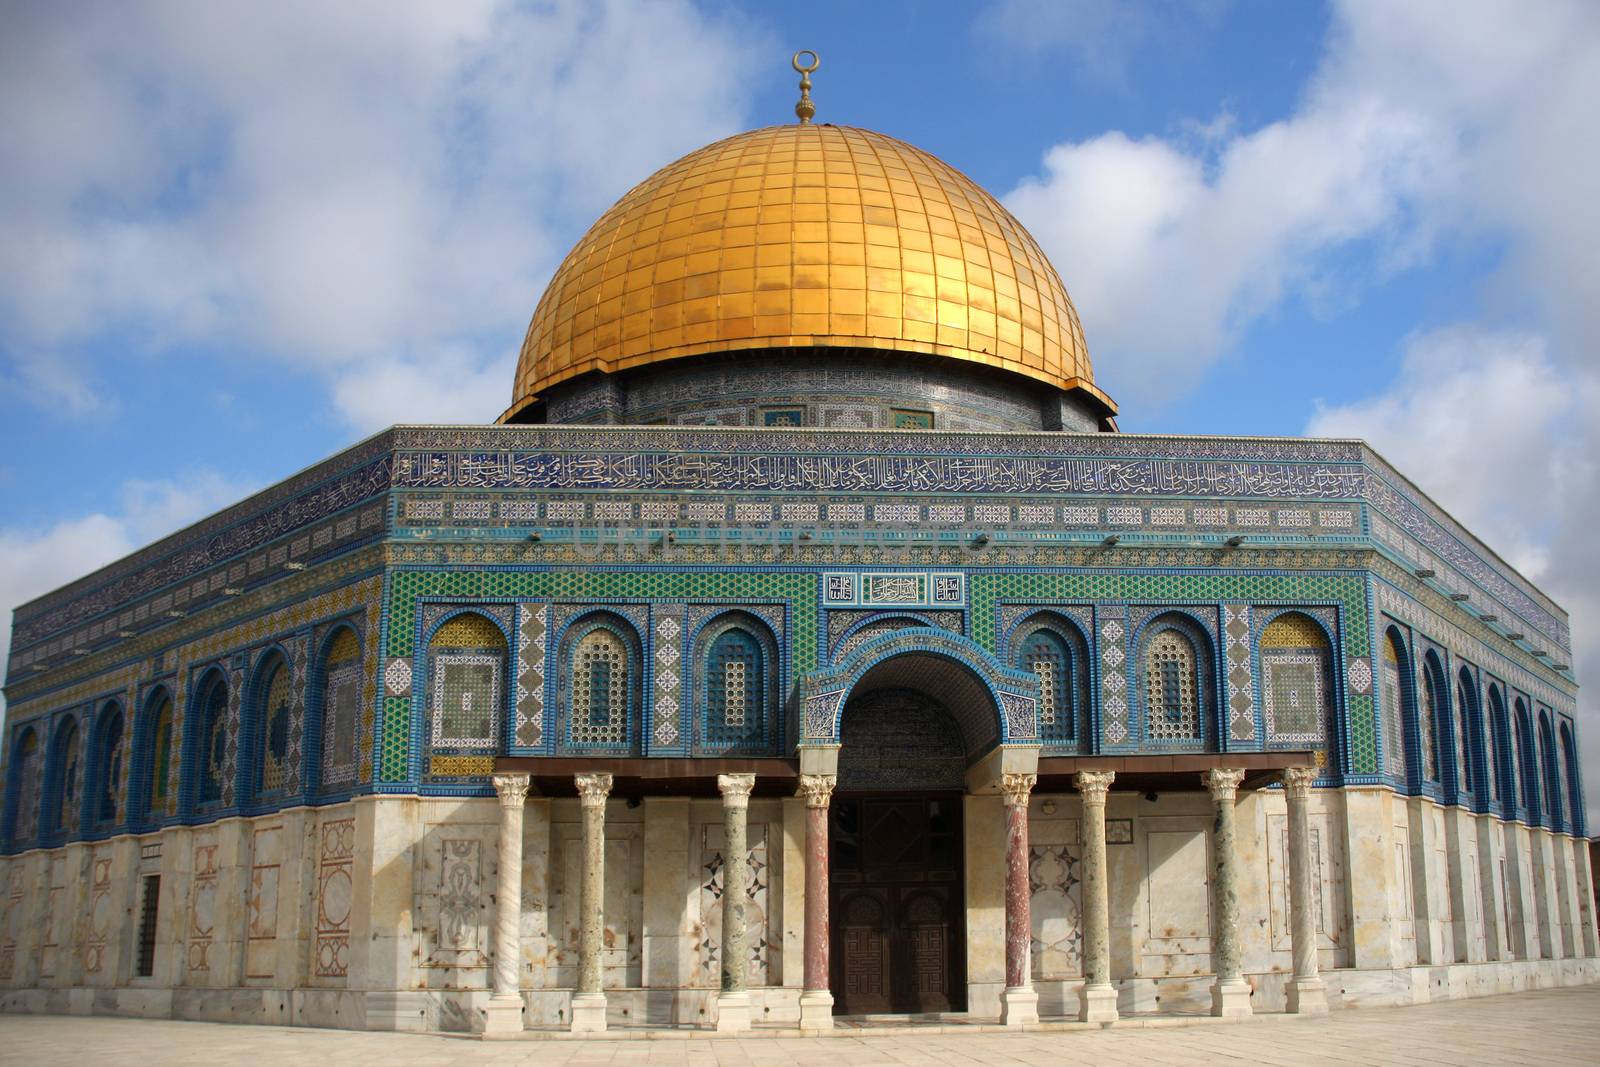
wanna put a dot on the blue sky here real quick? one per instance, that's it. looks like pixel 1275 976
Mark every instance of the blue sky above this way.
pixel 239 238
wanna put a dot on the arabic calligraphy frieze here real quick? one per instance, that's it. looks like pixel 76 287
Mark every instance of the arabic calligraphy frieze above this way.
pixel 831 442
pixel 1421 527
pixel 770 472
pixel 308 507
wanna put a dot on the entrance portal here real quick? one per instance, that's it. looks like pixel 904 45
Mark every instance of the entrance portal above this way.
pixel 895 893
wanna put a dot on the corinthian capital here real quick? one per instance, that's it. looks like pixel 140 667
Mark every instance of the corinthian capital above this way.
pixel 735 789
pixel 512 789
pixel 1223 782
pixel 1094 785
pixel 817 789
pixel 1014 788
pixel 593 788
pixel 1297 782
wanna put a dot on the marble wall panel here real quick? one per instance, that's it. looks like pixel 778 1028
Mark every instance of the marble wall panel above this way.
pixel 202 910
pixel 763 943
pixel 335 894
pixel 98 929
pixel 1178 900
pixel 261 930
pixel 623 902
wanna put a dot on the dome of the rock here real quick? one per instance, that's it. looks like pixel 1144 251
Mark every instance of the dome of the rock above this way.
pixel 825 238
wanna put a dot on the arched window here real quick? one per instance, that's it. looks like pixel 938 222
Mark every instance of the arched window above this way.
pixel 1176 682
pixel 1527 762
pixel 1430 710
pixel 211 764
pixel 739 688
pixel 1297 681
pixel 1466 712
pixel 1569 760
pixel 109 756
pixel 1054 651
pixel 341 709
pixel 1396 710
pixel 601 662
pixel 273 697
pixel 1499 737
pixel 66 776
pixel 157 802
pixel 467 664
pixel 1552 772
pixel 26 784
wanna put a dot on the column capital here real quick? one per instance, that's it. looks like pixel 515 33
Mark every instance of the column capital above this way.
pixel 1094 785
pixel 512 789
pixel 1014 788
pixel 1223 782
pixel 735 789
pixel 817 789
pixel 1297 782
pixel 593 788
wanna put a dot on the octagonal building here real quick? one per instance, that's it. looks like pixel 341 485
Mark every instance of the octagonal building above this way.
pixel 804 641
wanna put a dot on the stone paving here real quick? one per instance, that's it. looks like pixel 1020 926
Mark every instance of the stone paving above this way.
pixel 1560 1026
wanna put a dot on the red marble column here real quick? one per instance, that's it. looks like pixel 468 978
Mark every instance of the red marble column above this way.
pixel 1019 1003
pixel 816 1001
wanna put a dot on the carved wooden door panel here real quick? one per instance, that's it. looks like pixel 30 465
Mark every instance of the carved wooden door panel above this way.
pixel 863 936
pixel 896 905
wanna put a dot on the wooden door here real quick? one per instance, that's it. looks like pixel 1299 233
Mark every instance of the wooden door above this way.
pixel 896 905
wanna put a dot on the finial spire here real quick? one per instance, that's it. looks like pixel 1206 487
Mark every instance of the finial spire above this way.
pixel 805 109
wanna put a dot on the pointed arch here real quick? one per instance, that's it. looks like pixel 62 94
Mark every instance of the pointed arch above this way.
pixel 107 762
pixel 64 779
pixel 1297 681
pixel 1176 681
pixel 1569 759
pixel 466 695
pixel 151 793
pixel 600 685
pixel 1053 649
pixel 736 686
pixel 337 705
pixel 270 707
pixel 1553 816
pixel 1399 710
pixel 1527 761
pixel 1433 715
pixel 205 761
pixel 1469 737
pixel 24 788
pixel 1502 775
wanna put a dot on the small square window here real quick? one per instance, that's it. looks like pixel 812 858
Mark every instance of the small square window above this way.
pixel 903 419
pixel 783 416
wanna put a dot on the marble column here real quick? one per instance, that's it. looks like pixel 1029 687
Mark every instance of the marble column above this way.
pixel 504 1014
pixel 589 1001
pixel 1230 996
pixel 1307 995
pixel 733 1003
pixel 1019 1004
pixel 1097 1002
pixel 816 1000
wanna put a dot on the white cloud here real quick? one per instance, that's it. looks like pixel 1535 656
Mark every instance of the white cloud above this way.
pixel 1482 422
pixel 1428 125
pixel 1101 36
pixel 340 187
pixel 1170 252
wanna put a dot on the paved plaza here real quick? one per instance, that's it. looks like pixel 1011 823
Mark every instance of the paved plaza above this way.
pixel 1560 1026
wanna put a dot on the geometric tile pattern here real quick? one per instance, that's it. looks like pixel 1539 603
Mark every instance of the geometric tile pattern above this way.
pixel 532 631
pixel 1113 674
pixel 668 699
pixel 1238 671
pixel 588 585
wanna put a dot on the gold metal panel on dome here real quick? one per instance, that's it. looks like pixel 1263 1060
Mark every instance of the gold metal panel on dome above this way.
pixel 805 236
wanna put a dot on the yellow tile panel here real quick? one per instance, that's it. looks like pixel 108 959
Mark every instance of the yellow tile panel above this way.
pixel 824 235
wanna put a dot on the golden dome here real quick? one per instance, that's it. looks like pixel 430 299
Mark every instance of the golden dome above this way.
pixel 805 236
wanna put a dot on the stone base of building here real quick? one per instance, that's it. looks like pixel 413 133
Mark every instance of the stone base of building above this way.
pixel 1231 1000
pixel 1307 996
pixel 1097 1004
pixel 816 1010
pixel 588 1013
pixel 1019 1007
pixel 466 1010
